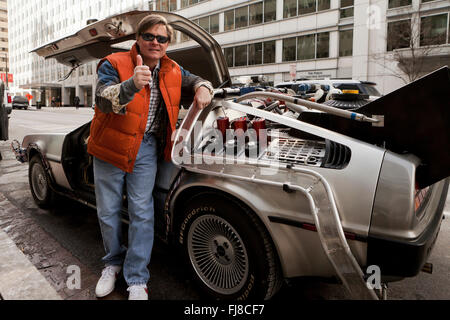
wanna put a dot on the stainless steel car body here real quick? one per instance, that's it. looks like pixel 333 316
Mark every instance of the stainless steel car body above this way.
pixel 268 201
pixel 49 145
pixel 374 191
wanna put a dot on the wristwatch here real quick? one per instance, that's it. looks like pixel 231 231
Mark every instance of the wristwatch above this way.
pixel 208 86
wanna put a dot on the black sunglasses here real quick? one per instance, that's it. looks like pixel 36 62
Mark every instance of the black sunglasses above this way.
pixel 151 37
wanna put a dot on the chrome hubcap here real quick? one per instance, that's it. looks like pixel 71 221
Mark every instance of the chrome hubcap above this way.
pixel 218 254
pixel 39 182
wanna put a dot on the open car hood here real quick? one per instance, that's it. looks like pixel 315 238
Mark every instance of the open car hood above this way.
pixel 416 121
pixel 99 39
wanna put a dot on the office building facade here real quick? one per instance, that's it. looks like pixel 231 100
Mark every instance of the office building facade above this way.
pixel 5 76
pixel 374 40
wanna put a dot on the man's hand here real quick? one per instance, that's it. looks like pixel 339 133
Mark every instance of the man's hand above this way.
pixel 142 74
pixel 202 97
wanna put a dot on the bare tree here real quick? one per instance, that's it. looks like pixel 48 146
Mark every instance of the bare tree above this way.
pixel 410 49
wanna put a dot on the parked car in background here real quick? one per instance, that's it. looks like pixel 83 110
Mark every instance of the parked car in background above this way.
pixel 325 195
pixel 364 87
pixel 20 102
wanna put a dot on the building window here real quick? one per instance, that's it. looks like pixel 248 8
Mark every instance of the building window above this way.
pixel 204 23
pixel 241 17
pixel 209 23
pixel 166 5
pixel 323 45
pixel 346 8
pixel 255 13
pixel 228 53
pixel 89 69
pixel 345 43
pixel 293 8
pixel 214 24
pixel 270 10
pixel 289 49
pixel 433 30
pixel 323 5
pixel 269 52
pixel 184 37
pixel 306 47
pixel 250 15
pixel 398 3
pixel 311 46
pixel 229 20
pixel 398 35
pixel 255 53
pixel 187 3
pixel 252 54
pixel 240 56
pixel 306 6
pixel 289 8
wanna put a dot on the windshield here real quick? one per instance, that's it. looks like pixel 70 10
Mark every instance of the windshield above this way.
pixel 371 90
pixel 20 99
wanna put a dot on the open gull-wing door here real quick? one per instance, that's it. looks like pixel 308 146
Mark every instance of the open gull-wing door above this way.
pixel 416 120
pixel 101 38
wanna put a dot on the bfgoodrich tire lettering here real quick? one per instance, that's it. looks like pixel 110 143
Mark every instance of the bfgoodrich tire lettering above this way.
pixel 228 250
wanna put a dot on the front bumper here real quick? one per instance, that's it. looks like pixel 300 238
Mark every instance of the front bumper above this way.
pixel 406 258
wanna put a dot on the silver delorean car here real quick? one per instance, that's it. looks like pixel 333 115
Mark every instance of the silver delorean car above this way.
pixel 264 186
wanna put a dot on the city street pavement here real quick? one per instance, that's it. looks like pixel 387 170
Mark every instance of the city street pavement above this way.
pixel 43 245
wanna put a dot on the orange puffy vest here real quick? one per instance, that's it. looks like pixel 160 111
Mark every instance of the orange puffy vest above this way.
pixel 116 138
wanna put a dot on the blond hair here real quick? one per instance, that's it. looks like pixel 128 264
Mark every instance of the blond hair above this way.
pixel 152 20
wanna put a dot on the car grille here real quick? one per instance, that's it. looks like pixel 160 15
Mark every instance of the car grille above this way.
pixel 327 154
pixel 295 151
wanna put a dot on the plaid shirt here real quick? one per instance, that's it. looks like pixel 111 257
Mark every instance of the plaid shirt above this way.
pixel 154 113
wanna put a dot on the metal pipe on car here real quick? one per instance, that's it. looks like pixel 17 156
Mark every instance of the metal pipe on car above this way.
pixel 309 105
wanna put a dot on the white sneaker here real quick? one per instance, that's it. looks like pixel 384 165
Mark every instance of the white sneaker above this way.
pixel 138 292
pixel 105 284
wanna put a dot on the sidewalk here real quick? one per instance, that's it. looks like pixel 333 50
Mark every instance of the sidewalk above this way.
pixel 19 278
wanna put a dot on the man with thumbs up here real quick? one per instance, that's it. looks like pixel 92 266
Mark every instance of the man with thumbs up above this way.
pixel 137 99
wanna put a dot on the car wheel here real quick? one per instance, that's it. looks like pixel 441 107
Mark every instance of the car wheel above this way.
pixel 228 250
pixel 39 183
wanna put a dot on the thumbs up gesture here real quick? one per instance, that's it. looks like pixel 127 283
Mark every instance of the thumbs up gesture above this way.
pixel 142 74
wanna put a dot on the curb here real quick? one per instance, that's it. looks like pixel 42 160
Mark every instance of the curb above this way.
pixel 19 278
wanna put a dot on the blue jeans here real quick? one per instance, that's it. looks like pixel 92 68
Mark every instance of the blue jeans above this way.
pixel 109 182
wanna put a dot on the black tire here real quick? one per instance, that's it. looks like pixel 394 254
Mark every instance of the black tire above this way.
pixel 218 233
pixel 39 181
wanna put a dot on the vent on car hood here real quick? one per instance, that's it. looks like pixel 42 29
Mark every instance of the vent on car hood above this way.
pixel 337 155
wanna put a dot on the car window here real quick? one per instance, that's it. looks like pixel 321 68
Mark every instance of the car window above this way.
pixel 20 99
pixel 371 90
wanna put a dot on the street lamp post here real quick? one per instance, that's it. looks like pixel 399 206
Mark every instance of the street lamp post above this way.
pixel 6 71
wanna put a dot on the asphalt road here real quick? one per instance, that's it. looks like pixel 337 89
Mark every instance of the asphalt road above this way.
pixel 69 235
